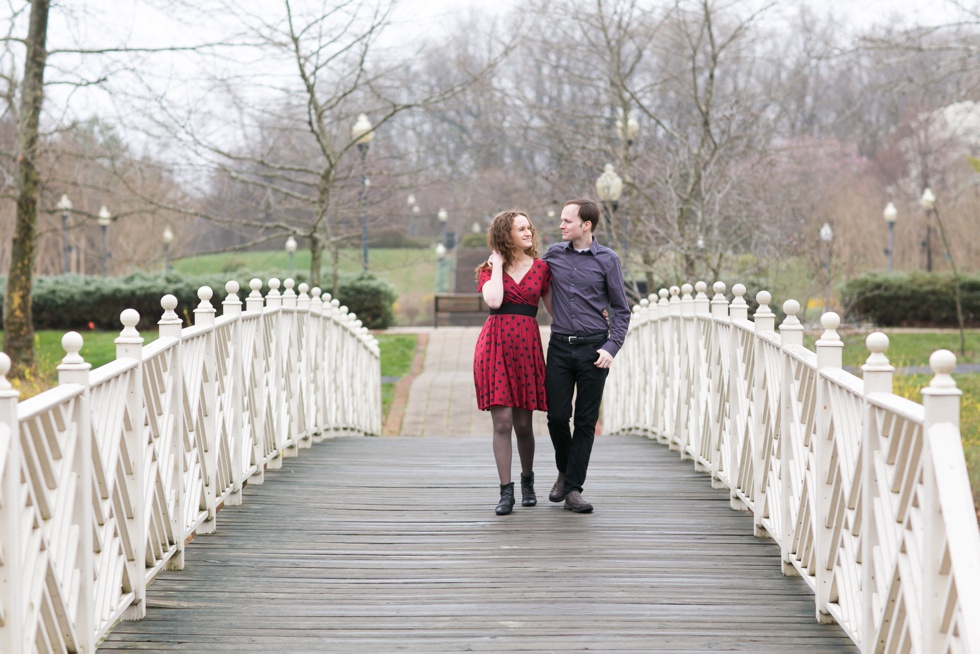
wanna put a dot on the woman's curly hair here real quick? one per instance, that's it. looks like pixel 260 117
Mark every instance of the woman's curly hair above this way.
pixel 499 239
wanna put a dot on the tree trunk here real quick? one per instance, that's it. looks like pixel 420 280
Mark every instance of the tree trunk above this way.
pixel 18 317
pixel 316 257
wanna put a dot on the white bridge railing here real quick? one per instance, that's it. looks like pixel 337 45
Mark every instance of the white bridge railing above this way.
pixel 866 493
pixel 104 478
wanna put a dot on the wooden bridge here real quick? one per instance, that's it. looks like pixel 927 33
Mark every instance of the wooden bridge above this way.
pixel 119 530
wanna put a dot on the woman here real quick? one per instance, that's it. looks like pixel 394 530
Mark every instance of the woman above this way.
pixel 508 364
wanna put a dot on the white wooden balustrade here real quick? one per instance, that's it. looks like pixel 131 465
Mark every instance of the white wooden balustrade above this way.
pixel 104 478
pixel 866 493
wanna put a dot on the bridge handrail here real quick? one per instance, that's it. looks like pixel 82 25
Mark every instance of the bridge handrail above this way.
pixel 105 477
pixel 866 493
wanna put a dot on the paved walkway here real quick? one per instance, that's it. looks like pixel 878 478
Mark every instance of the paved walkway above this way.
pixel 442 400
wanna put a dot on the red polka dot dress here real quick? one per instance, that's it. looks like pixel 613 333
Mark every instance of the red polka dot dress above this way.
pixel 508 363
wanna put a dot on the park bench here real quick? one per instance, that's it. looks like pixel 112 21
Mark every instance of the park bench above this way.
pixel 453 304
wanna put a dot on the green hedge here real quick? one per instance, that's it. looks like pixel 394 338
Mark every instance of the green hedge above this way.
pixel 82 302
pixel 916 298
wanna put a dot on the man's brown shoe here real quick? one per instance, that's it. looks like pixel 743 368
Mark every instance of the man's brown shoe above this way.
pixel 557 493
pixel 575 503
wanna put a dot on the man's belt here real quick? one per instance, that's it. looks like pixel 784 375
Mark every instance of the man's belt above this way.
pixel 598 337
pixel 509 308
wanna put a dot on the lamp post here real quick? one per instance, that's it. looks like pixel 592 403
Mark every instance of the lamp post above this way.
pixel 362 133
pixel 827 235
pixel 891 214
pixel 928 203
pixel 104 219
pixel 443 217
pixel 291 249
pixel 627 129
pixel 413 210
pixel 65 205
pixel 168 238
pixel 609 186
pixel 441 267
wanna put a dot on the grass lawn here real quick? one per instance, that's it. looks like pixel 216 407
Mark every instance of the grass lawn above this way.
pixel 397 352
pixel 412 272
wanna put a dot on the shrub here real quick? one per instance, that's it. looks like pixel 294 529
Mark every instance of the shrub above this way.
pixel 370 298
pixel 472 240
pixel 916 298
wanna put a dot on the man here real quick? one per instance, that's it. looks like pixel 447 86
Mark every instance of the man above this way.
pixel 586 280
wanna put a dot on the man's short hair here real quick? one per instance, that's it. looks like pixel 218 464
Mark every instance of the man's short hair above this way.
pixel 588 210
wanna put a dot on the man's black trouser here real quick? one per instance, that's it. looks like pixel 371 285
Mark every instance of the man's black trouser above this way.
pixel 571 370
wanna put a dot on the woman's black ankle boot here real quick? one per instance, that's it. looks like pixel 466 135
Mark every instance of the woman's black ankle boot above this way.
pixel 528 498
pixel 506 504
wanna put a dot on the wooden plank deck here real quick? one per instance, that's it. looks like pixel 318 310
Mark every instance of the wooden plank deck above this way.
pixel 391 544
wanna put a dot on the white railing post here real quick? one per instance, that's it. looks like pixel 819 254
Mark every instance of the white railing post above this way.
pixel 129 345
pixel 878 378
pixel 790 334
pixel 204 316
pixel 738 311
pixel 12 595
pixel 231 307
pixel 74 370
pixel 830 350
pixel 170 327
pixel 765 323
pixel 255 369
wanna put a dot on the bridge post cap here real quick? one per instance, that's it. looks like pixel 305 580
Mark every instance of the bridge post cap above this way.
pixel 763 298
pixel 791 307
pixel 327 297
pixel 4 369
pixel 72 343
pixel 686 289
pixel 274 283
pixel 830 321
pixel 663 293
pixel 204 294
pixel 700 287
pixel 942 363
pixel 289 283
pixel 739 290
pixel 877 343
pixel 304 288
pixel 357 323
pixel 232 287
pixel 335 303
pixel 636 308
pixel 315 291
pixel 129 318
pixel 644 303
pixel 168 302
pixel 675 290
pixel 719 288
pixel 255 284
pixel 343 309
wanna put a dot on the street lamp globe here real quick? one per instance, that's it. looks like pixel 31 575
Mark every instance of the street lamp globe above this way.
pixel 443 216
pixel 609 185
pixel 440 251
pixel 476 227
pixel 928 200
pixel 104 216
pixel 890 213
pixel 64 203
pixel 411 199
pixel 627 129
pixel 826 233
pixel 291 245
pixel 168 236
pixel 362 132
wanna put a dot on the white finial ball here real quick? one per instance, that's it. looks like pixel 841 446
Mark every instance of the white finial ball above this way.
pixel 72 342
pixel 274 283
pixel 791 307
pixel 335 303
pixel 315 291
pixel 763 297
pixel 652 297
pixel 942 362
pixel 644 303
pixel 255 284
pixel 168 302
pixel 231 287
pixel 357 323
pixel 877 342
pixel 738 290
pixel 674 290
pixel 719 288
pixel 304 287
pixel 204 293
pixel 129 318
pixel 289 283
pixel 327 297
pixel 344 310
pixel 686 289
pixel 663 293
pixel 830 320
pixel 636 308
pixel 4 364
pixel 700 287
